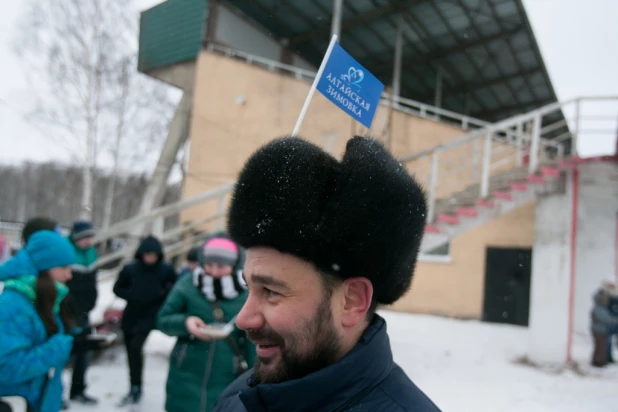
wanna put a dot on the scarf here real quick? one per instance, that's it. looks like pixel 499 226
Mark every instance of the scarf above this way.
pixel 26 285
pixel 225 288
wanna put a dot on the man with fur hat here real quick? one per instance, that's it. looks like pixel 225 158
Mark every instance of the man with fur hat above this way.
pixel 82 299
pixel 327 242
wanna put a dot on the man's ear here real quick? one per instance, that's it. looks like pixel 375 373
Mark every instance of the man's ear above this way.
pixel 357 295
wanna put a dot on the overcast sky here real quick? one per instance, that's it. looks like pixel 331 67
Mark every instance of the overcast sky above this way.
pixel 578 40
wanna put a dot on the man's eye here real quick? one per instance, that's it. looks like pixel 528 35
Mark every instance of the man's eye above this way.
pixel 270 294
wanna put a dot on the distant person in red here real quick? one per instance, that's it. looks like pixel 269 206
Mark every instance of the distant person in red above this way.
pixel 5 250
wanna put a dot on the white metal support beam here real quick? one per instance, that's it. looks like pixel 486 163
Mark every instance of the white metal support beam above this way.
pixel 438 96
pixel 486 165
pixel 335 27
pixel 535 144
pixel 397 59
pixel 177 136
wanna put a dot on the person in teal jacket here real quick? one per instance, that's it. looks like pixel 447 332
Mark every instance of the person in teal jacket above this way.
pixel 202 367
pixel 82 299
pixel 35 321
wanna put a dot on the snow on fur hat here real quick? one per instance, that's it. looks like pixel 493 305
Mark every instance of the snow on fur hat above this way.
pixel 363 216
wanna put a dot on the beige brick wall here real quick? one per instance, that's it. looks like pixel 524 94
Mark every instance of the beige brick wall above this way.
pixel 457 288
pixel 224 133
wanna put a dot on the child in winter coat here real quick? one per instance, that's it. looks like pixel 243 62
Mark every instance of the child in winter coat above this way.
pixel 144 284
pixel 201 367
pixel 35 321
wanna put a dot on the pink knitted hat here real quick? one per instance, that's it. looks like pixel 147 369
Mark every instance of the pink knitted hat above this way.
pixel 220 250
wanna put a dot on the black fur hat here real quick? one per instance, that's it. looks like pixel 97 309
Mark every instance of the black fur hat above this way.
pixel 363 216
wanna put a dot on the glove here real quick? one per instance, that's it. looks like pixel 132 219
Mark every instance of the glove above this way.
pixel 60 346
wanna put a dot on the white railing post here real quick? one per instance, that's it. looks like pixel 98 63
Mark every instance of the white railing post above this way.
pixel 486 165
pixel 464 122
pixel 535 144
pixel 519 148
pixel 561 151
pixel 575 137
pixel 476 151
pixel 433 182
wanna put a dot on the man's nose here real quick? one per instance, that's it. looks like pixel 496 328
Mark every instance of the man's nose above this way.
pixel 250 316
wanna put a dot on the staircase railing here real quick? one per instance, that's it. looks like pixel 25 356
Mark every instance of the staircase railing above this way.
pixel 523 141
pixel 517 142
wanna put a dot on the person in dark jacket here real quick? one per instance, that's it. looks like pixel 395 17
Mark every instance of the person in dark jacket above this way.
pixel 327 241
pixel 144 284
pixel 201 367
pixel 37 224
pixel 82 299
pixel 604 322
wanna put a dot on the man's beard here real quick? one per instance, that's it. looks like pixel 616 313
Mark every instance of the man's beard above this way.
pixel 319 330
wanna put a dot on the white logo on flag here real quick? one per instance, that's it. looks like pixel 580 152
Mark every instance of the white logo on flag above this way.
pixel 353 77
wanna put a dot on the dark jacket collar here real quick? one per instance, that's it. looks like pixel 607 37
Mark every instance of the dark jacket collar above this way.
pixel 360 370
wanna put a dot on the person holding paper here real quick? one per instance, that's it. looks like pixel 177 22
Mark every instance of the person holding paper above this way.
pixel 327 242
pixel 206 358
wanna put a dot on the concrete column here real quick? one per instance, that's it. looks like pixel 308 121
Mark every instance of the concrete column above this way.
pixel 548 328
pixel 336 23
pixel 597 236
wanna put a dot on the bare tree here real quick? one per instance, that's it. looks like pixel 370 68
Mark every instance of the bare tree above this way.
pixel 82 58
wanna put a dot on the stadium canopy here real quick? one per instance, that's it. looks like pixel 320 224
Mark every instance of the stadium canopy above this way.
pixel 475 57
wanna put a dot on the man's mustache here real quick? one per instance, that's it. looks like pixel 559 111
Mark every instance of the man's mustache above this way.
pixel 264 337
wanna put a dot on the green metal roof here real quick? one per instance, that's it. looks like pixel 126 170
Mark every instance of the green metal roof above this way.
pixel 170 33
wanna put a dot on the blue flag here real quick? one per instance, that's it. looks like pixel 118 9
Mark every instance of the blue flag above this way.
pixel 350 86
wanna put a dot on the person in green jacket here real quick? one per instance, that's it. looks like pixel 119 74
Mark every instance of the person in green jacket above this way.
pixel 201 366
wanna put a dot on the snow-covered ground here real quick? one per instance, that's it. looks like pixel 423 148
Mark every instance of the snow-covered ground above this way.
pixel 462 365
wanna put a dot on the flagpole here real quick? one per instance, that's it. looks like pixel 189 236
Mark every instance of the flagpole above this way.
pixel 314 86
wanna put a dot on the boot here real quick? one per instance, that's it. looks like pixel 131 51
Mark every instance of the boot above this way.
pixel 84 399
pixel 133 397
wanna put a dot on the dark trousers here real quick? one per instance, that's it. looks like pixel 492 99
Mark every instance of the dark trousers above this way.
pixel 81 359
pixel 80 364
pixel 134 343
pixel 599 356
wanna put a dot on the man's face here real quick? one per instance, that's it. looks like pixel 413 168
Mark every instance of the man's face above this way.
pixel 289 316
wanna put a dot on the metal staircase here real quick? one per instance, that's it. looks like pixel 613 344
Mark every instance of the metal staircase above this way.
pixel 469 181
